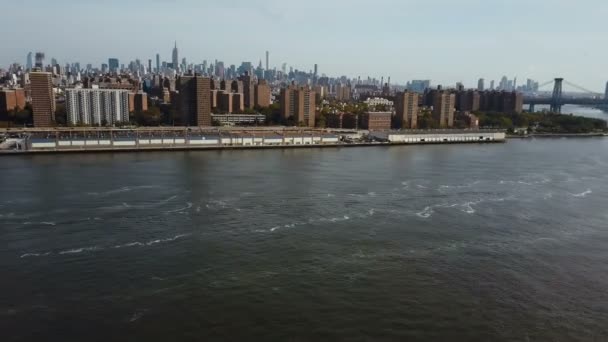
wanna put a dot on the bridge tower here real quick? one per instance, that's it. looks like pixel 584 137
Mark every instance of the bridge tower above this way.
pixel 556 99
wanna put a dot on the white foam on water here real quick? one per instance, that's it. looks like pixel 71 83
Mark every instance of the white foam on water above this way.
pixel 274 228
pixel 188 206
pixel 80 250
pixel 131 244
pixel 583 194
pixel 548 195
pixel 27 255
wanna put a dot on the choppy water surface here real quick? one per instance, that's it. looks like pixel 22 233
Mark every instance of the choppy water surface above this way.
pixel 454 242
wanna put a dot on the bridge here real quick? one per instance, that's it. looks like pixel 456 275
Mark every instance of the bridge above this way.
pixel 557 99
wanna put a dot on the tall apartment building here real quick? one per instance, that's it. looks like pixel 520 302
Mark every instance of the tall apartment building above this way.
pixel 467 101
pixel 343 92
pixel 43 100
pixel 406 107
pixel 444 104
pixel 11 99
pixel 299 103
pixel 141 101
pixel 194 100
pixel 96 106
pixel 248 90
pixel 262 94
pixel 228 102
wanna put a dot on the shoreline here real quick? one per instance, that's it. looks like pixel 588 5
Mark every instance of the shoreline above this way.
pixel 229 148
pixel 558 135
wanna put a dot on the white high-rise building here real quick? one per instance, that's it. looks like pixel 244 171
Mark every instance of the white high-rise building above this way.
pixel 96 107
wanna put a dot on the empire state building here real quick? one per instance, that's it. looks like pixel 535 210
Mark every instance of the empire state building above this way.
pixel 175 59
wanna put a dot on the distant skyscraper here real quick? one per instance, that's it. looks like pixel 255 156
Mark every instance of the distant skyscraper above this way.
pixel 29 62
pixel 492 85
pixel 157 63
pixel 175 58
pixel 43 100
pixel 480 84
pixel 606 92
pixel 267 57
pixel 149 66
pixel 113 64
pixel 39 60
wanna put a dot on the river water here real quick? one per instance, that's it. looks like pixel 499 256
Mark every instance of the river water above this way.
pixel 496 242
pixel 578 110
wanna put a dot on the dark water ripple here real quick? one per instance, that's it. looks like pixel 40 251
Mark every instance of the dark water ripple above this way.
pixel 471 242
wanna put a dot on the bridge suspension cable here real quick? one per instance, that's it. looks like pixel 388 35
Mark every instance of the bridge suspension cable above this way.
pixel 579 87
pixel 544 84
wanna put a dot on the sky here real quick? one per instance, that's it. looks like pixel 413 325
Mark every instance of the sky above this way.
pixel 446 41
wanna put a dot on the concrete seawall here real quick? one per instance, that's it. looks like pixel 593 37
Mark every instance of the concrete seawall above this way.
pixel 115 140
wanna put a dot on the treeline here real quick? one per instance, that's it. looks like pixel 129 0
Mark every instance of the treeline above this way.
pixel 542 122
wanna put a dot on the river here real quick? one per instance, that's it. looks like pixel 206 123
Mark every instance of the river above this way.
pixel 495 242
pixel 578 110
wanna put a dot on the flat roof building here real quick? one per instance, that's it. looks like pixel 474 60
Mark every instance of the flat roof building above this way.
pixel 43 99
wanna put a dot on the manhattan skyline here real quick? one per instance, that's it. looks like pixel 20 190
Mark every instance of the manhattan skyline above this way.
pixel 446 42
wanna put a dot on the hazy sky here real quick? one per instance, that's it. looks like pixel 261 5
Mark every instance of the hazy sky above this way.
pixel 443 40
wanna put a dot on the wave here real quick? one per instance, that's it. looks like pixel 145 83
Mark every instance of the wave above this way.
pixel 80 250
pixel 151 242
pixel 122 189
pixel 188 206
pixel 99 248
pixel 583 194
pixel 461 186
pixel 44 223
pixel 466 207
pixel 27 255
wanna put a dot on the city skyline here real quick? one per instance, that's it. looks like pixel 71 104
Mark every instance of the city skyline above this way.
pixel 445 42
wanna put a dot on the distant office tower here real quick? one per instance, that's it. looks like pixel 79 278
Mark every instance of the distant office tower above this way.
pixel 443 108
pixel 43 100
pixel 149 66
pixel 406 107
pixel 480 84
pixel 419 86
pixel 248 90
pixel 194 100
pixel 157 63
pixel 175 59
pixel 298 103
pixel 113 64
pixel 39 60
pixel 262 94
pixel 11 99
pixel 29 63
pixel 606 92
pixel 96 107
pixel 316 72
pixel 343 92
pixel 492 85
pixel 267 60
